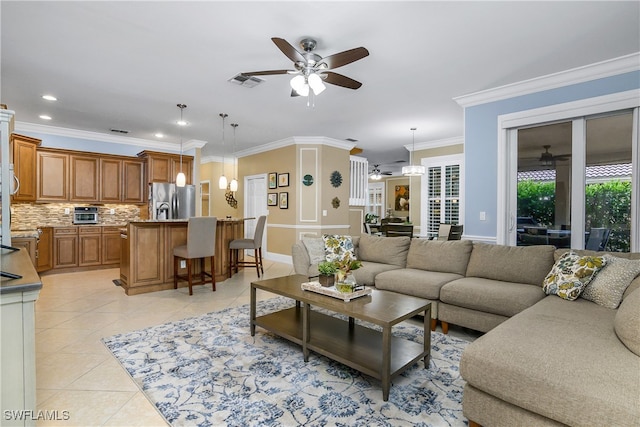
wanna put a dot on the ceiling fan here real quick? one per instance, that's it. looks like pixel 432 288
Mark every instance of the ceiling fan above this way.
pixel 311 70
pixel 376 174
pixel 548 159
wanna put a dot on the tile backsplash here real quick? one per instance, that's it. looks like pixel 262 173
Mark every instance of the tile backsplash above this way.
pixel 29 216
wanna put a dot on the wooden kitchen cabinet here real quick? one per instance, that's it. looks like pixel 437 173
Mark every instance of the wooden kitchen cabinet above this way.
pixel 44 250
pixel 89 246
pixel 65 247
pixel 24 166
pixel 163 167
pixel 84 178
pixel 133 181
pixel 110 245
pixel 52 176
pixel 110 180
pixel 29 243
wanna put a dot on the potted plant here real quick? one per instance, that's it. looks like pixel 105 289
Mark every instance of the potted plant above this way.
pixel 327 272
pixel 345 282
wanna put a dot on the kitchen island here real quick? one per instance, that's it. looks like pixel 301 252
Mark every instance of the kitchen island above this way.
pixel 146 257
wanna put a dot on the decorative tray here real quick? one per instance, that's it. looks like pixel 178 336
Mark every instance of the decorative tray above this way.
pixel 333 292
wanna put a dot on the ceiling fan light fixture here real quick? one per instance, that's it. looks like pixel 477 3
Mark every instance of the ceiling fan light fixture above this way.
pixel 315 81
pixel 298 83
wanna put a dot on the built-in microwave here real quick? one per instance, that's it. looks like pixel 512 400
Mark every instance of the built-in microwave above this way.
pixel 85 215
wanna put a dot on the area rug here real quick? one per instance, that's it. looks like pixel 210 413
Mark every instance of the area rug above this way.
pixel 209 371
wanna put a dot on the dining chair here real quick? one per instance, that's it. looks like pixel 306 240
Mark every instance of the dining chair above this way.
pixel 201 244
pixel 396 230
pixel 598 239
pixel 241 244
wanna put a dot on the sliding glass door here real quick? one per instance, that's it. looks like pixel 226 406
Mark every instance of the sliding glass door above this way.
pixel 574 182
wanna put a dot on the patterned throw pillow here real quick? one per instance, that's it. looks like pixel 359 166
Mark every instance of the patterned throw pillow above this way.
pixel 315 248
pixel 607 288
pixel 570 274
pixel 337 246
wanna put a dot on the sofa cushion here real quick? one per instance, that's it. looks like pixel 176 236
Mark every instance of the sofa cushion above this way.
pixel 518 264
pixel 366 274
pixel 419 283
pixel 385 250
pixel 608 286
pixel 627 322
pixel 315 248
pixel 560 359
pixel 337 247
pixel 570 274
pixel 438 255
pixel 491 296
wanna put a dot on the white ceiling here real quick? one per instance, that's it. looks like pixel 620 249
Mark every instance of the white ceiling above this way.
pixel 126 65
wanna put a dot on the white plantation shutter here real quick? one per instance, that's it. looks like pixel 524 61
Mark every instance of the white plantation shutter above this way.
pixel 443 192
pixel 359 171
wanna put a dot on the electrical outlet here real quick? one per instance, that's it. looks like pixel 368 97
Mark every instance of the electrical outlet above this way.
pixel 483 216
pixel 112 211
pixel 66 211
pixel 183 263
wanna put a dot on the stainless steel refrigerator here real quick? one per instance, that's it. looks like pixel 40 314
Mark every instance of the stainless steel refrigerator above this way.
pixel 166 201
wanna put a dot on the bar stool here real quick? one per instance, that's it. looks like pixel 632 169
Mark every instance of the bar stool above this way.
pixel 201 244
pixel 255 244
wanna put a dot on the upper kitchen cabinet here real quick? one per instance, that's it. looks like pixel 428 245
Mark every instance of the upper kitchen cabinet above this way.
pixel 53 176
pixel 85 178
pixel 24 167
pixel 133 177
pixel 163 167
pixel 110 180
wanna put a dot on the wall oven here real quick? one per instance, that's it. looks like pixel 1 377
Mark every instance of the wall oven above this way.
pixel 85 215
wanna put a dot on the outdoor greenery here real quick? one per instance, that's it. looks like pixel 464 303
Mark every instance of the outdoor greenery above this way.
pixel 607 205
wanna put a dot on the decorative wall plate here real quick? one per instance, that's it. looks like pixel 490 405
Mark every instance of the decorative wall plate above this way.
pixel 335 203
pixel 336 179
pixel 307 180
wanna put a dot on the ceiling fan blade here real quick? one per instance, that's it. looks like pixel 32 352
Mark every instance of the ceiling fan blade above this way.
pixel 267 73
pixel 340 80
pixel 344 58
pixel 288 50
pixel 294 93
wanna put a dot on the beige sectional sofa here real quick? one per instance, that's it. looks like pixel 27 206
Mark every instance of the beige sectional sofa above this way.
pixel 544 360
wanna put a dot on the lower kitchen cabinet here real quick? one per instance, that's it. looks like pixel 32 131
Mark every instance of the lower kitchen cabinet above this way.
pixel 65 247
pixel 29 243
pixel 110 245
pixel 90 246
pixel 44 250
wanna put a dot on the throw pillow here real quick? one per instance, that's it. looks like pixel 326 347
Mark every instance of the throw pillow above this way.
pixel 570 274
pixel 315 248
pixel 607 288
pixel 627 322
pixel 336 247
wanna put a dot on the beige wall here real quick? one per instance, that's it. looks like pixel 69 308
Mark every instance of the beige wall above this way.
pixel 218 205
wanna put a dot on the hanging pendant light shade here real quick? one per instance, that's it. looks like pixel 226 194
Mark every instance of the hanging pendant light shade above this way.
pixel 222 182
pixel 413 170
pixel 233 185
pixel 181 179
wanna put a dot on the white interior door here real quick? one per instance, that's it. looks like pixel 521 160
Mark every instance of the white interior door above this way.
pixel 255 205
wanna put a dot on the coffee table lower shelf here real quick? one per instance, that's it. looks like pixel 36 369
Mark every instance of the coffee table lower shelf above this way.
pixel 356 346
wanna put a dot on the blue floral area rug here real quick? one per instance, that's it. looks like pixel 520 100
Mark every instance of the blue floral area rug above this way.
pixel 210 371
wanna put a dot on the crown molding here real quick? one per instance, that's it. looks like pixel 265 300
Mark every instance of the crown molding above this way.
pixel 598 70
pixel 456 140
pixel 104 137
pixel 217 159
pixel 295 140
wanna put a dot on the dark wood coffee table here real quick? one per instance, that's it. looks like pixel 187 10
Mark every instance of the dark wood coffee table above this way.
pixel 378 354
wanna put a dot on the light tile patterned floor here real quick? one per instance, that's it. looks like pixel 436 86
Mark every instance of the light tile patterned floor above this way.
pixel 76 373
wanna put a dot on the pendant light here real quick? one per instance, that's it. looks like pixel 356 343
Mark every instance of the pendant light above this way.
pixel 181 179
pixel 222 183
pixel 413 170
pixel 233 186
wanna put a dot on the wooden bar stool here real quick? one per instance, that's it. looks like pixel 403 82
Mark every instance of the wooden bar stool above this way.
pixel 201 244
pixel 241 244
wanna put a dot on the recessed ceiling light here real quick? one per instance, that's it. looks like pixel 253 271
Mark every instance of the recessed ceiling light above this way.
pixel 45 117
pixel 49 97
pixel 159 135
pixel 182 123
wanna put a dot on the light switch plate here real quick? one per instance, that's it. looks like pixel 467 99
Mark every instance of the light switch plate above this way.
pixel 66 211
pixel 483 216
pixel 183 263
